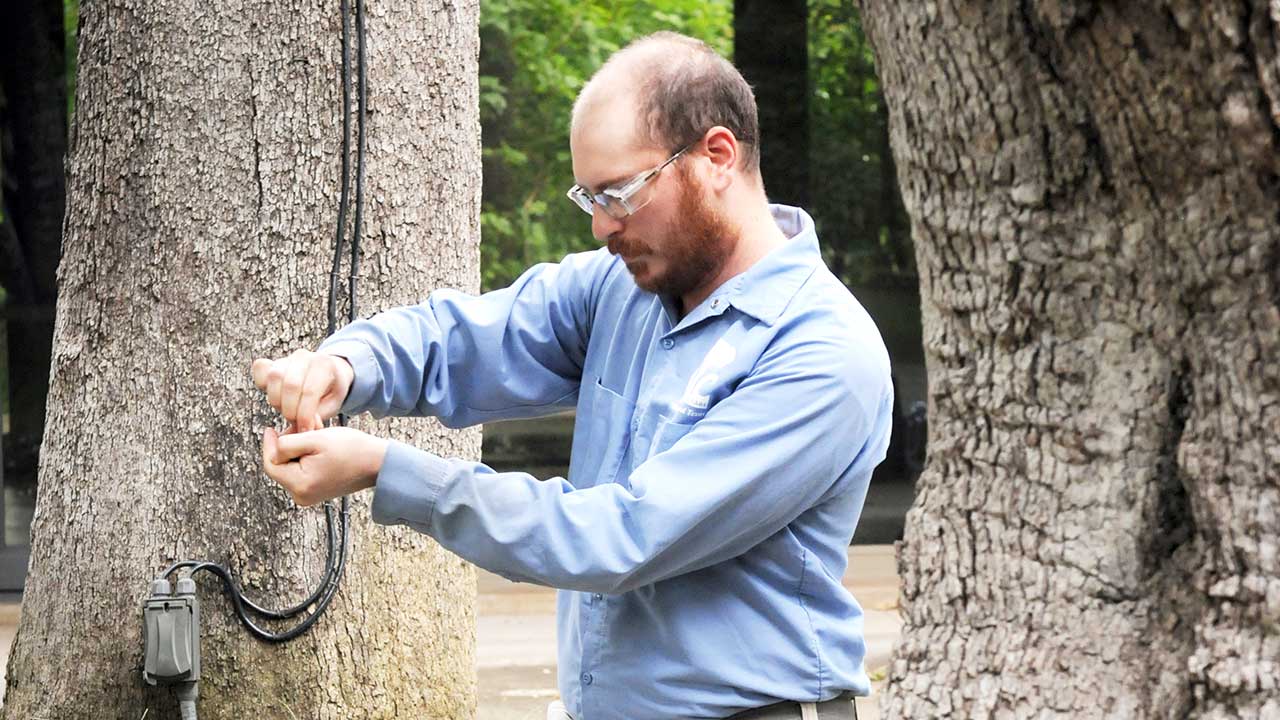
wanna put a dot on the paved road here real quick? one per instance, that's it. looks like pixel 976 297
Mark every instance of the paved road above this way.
pixel 515 636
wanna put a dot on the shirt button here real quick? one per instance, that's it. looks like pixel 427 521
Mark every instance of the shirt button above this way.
pixel 586 678
pixel 598 596
pixel 668 343
pixel 715 303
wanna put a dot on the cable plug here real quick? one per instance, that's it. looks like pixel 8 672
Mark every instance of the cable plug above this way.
pixel 171 626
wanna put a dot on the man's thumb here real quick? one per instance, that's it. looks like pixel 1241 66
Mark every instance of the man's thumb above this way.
pixel 259 370
pixel 295 445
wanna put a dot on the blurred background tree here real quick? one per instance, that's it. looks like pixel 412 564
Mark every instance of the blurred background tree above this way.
pixel 854 188
pixel 37 52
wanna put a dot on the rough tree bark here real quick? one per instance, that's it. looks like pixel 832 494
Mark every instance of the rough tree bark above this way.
pixel 1094 195
pixel 203 188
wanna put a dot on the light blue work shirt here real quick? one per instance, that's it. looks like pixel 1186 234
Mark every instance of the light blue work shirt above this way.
pixel 720 462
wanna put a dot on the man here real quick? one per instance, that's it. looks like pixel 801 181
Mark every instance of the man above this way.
pixel 732 400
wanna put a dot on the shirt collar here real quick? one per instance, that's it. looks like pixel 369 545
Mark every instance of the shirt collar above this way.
pixel 765 289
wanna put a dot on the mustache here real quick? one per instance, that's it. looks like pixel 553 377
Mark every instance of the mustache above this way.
pixel 625 246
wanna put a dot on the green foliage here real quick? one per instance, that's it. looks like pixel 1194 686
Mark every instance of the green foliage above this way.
pixel 70 27
pixel 535 55
pixel 855 198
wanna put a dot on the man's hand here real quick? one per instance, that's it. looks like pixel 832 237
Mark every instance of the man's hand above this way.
pixel 322 464
pixel 304 386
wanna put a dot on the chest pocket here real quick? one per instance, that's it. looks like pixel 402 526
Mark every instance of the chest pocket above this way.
pixel 665 434
pixel 601 438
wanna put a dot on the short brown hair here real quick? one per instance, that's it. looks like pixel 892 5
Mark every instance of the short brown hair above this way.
pixel 685 89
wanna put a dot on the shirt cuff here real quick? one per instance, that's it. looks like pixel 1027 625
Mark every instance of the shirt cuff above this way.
pixel 367 372
pixel 407 487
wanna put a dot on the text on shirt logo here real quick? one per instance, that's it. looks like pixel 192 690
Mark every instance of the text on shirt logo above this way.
pixel 697 394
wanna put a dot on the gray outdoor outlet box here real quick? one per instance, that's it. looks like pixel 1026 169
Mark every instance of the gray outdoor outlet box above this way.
pixel 171 625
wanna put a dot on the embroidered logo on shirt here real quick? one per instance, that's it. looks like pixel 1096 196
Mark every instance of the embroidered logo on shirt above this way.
pixel 697 394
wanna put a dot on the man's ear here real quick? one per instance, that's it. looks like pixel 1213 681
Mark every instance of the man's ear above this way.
pixel 722 150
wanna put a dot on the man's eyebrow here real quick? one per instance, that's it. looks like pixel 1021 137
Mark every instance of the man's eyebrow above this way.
pixel 596 190
pixel 610 182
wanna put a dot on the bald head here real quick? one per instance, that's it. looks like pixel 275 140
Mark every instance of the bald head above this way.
pixel 676 88
pixel 623 74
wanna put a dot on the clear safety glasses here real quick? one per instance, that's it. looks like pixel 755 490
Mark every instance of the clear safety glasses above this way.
pixel 622 199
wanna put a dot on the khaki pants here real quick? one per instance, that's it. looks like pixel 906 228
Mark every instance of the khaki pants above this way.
pixel 841 708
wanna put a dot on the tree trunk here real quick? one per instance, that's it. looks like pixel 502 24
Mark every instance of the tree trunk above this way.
pixel 1094 197
pixel 771 49
pixel 33 78
pixel 203 187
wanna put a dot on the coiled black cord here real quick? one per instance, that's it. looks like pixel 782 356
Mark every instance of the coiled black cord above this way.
pixel 362 101
pixel 337 533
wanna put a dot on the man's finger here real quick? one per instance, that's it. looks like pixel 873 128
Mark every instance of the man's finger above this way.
pixel 274 380
pixel 270 447
pixel 294 446
pixel 270 444
pixel 291 390
pixel 287 474
pixel 273 454
pixel 319 378
pixel 259 371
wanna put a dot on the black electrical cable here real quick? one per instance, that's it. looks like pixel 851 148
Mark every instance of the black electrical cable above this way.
pixel 346 171
pixel 336 558
pixel 362 100
pixel 301 606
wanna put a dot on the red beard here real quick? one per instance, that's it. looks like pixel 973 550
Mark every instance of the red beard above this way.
pixel 698 242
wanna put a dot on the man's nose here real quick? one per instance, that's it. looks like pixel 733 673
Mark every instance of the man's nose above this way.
pixel 603 225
